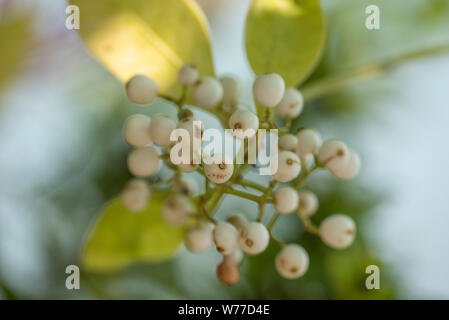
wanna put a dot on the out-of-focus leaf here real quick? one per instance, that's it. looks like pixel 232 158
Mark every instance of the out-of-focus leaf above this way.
pixel 285 36
pixel 120 237
pixel 149 37
pixel 14 35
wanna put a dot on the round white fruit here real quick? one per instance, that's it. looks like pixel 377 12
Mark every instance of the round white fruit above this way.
pixel 199 238
pixel 346 169
pixel 244 124
pixel 292 262
pixel 231 90
pixel 226 238
pixel 254 238
pixel 136 194
pixel 143 162
pixel 207 92
pixel 337 231
pixel 309 142
pixel 177 209
pixel 289 166
pixel 308 202
pixel 220 170
pixel 286 200
pixel 288 142
pixel 333 152
pixel 188 75
pixel 161 127
pixel 268 89
pixel 291 104
pixel 141 89
pixel 137 130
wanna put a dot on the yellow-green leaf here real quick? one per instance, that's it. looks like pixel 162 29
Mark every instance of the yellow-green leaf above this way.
pixel 152 37
pixel 14 36
pixel 119 237
pixel 285 36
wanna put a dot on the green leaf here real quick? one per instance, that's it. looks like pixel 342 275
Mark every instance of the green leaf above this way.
pixel 285 36
pixel 152 37
pixel 120 238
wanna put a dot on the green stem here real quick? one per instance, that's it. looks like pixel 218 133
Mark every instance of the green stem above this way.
pixel 242 194
pixel 252 185
pixel 335 83
pixel 273 221
pixel 304 176
pixel 308 225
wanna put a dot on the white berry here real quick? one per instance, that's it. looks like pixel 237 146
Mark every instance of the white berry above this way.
pixel 309 142
pixel 287 142
pixel 337 231
pixel 254 238
pixel 177 209
pixel 244 124
pixel 333 152
pixel 289 166
pixel 346 169
pixel 199 238
pixel 207 92
pixel 161 127
pixel 195 129
pixel 291 104
pixel 286 200
pixel 141 89
pixel 238 221
pixel 231 90
pixel 226 238
pixel 136 130
pixel 292 262
pixel 220 170
pixel 135 196
pixel 268 89
pixel 143 162
pixel 308 202
pixel 236 257
pixel 188 75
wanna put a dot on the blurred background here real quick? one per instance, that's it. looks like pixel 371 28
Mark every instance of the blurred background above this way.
pixel 62 157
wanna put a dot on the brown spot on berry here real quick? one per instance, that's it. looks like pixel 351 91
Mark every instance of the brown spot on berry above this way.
pixel 293 270
pixel 238 125
pixel 222 166
pixel 249 242
pixel 289 162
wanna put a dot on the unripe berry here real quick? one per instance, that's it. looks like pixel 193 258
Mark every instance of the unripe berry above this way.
pixel 207 92
pixel 221 172
pixel 226 238
pixel 308 202
pixel 268 89
pixel 346 169
pixel 143 162
pixel 243 120
pixel 141 89
pixel 188 75
pixel 309 142
pixel 289 166
pixel 177 209
pixel 135 196
pixel 161 127
pixel 292 262
pixel 236 256
pixel 254 238
pixel 184 186
pixel 231 90
pixel 291 104
pixel 228 272
pixel 137 130
pixel 199 238
pixel 287 142
pixel 333 152
pixel 337 231
pixel 238 221
pixel 285 200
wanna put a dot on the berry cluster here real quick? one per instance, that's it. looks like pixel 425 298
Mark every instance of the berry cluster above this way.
pixel 300 154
